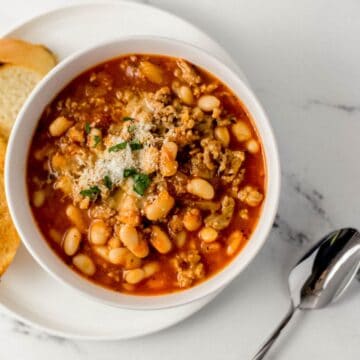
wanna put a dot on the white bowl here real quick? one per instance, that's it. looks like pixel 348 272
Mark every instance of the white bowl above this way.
pixel 21 136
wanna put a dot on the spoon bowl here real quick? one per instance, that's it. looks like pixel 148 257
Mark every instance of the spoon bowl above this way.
pixel 321 276
pixel 325 271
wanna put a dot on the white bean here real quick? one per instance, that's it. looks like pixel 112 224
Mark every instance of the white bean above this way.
pixel 208 103
pixel 38 198
pixel 85 264
pixel 118 256
pixel 241 131
pixel 131 239
pixel 160 207
pixel 72 240
pixel 160 240
pixel 59 126
pixel 201 188
pixel 168 164
pixel 75 216
pixel 234 241
pixel 151 71
pixel 151 268
pixel 222 134
pixel 99 232
pixel 185 94
pixel 252 146
pixel 208 234
pixel 134 276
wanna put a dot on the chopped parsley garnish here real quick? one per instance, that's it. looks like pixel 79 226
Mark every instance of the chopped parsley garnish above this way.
pixel 131 128
pixel 97 139
pixel 87 128
pixel 141 181
pixel 127 118
pixel 130 172
pixel 107 182
pixel 136 145
pixel 92 192
pixel 118 147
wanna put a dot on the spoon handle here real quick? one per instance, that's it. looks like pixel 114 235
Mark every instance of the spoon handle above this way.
pixel 268 344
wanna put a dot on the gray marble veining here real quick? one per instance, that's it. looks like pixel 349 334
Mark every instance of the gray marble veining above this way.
pixel 350 109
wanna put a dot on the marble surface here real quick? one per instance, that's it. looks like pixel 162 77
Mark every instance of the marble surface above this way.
pixel 302 59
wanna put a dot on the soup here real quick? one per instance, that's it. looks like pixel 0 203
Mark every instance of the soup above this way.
pixel 146 175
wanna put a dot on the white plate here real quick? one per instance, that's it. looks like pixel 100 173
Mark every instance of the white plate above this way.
pixel 26 291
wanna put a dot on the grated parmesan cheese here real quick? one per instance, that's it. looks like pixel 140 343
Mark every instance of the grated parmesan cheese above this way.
pixel 110 164
pixel 113 164
pixel 143 133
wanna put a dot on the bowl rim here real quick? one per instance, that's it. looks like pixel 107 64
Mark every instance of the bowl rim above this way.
pixel 22 215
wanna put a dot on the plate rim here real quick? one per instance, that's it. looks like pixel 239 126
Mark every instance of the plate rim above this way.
pixel 37 326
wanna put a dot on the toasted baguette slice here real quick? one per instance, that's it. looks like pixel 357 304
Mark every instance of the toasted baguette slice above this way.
pixel 22 65
pixel 16 84
pixel 9 239
pixel 21 53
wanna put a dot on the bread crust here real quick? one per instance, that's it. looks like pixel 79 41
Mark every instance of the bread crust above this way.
pixel 22 65
pixel 9 239
pixel 35 57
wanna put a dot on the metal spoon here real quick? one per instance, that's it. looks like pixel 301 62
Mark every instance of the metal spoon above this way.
pixel 321 276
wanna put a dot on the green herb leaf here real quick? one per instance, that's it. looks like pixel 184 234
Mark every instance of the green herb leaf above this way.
pixel 87 128
pixel 92 192
pixel 118 147
pixel 131 128
pixel 127 118
pixel 130 172
pixel 141 183
pixel 107 182
pixel 135 145
pixel 97 139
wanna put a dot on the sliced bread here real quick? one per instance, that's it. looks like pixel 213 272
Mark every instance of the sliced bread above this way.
pixel 16 83
pixel 32 56
pixel 22 65
pixel 9 239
